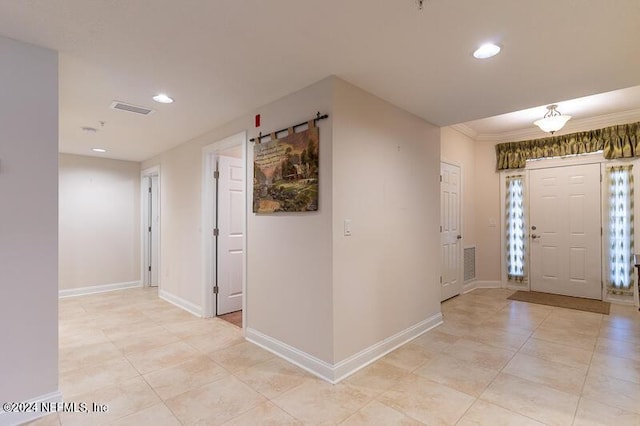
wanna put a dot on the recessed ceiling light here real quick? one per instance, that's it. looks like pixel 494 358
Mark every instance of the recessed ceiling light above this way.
pixel 162 98
pixel 486 51
pixel 98 150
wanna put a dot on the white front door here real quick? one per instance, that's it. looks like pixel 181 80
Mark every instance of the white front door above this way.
pixel 565 231
pixel 230 254
pixel 451 237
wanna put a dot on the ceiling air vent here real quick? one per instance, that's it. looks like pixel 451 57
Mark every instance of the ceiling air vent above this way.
pixel 123 106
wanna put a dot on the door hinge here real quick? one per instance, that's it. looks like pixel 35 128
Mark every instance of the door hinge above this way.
pixel 216 232
pixel 149 190
pixel 149 229
pixel 440 178
pixel 601 232
pixel 216 289
pixel 600 177
pixel 440 279
pixel 440 228
pixel 149 268
pixel 216 174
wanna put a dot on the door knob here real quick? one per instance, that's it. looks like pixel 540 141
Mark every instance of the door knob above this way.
pixel 459 237
pixel 534 236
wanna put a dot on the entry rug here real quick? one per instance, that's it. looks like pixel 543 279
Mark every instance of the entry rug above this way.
pixel 578 303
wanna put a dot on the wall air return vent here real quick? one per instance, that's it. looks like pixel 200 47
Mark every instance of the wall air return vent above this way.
pixel 123 106
pixel 469 263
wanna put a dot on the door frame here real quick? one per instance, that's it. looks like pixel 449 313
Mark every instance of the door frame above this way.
pixel 144 221
pixel 575 160
pixel 209 155
pixel 461 225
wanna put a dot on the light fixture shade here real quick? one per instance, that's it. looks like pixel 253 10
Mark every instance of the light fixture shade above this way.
pixel 553 120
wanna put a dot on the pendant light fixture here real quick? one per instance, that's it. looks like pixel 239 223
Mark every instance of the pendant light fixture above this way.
pixel 553 120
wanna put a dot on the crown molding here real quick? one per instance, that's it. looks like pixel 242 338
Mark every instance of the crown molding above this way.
pixel 465 130
pixel 573 126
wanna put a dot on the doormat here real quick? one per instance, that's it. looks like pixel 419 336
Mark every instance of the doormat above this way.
pixel 557 300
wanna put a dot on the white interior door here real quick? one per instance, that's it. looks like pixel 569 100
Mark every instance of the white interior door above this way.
pixel 450 234
pixel 154 240
pixel 565 231
pixel 231 210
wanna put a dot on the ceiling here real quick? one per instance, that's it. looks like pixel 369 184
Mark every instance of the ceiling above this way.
pixel 221 59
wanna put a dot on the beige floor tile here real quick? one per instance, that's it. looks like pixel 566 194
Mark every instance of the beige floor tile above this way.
pixel 145 342
pixel 564 336
pixel 516 324
pixel 612 366
pixel 193 373
pixel 266 414
pixel 460 375
pixel 121 400
pixel 87 379
pixel 378 414
pixel 195 327
pixel 534 400
pixel 107 319
pixel 409 357
pixel 614 392
pixel 480 354
pixel 567 355
pixel 426 401
pixel 74 357
pixel 241 356
pixel 435 340
pixel 156 415
pixel 593 413
pixel 377 377
pixel 162 357
pixel 215 403
pixel 626 334
pixel 618 348
pixel 272 377
pixel 82 337
pixel 553 374
pixel 317 402
pixel 134 330
pixel 485 413
pixel 512 340
pixel 215 341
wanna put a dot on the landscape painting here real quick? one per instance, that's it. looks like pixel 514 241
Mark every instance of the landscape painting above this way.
pixel 285 173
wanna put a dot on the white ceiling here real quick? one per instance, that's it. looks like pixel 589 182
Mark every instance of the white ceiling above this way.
pixel 221 59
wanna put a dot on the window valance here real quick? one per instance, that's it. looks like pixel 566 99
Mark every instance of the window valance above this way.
pixel 622 141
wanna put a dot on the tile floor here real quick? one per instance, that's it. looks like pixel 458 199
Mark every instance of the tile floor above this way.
pixel 493 362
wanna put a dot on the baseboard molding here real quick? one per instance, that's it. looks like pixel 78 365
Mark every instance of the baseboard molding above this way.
pixel 12 419
pixel 334 373
pixel 192 308
pixel 472 285
pixel 83 291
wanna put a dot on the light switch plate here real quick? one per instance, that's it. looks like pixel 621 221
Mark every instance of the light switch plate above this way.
pixel 347 227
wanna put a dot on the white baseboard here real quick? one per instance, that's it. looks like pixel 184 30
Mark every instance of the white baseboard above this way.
pixel 192 308
pixel 83 291
pixel 334 373
pixel 12 419
pixel 472 285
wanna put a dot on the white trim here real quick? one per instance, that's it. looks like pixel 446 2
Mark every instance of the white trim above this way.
pixel 465 130
pixel 209 153
pixel 103 288
pixel 192 308
pixel 475 284
pixel 11 419
pixel 334 373
pixel 144 194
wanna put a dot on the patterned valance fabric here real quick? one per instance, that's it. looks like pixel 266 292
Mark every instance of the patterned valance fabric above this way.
pixel 621 141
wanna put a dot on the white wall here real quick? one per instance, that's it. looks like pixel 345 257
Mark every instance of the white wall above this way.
pixel 386 167
pixel 99 221
pixel 288 256
pixel 28 222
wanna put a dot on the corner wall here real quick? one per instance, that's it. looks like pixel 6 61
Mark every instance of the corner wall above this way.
pixel 386 168
pixel 99 222
pixel 28 225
